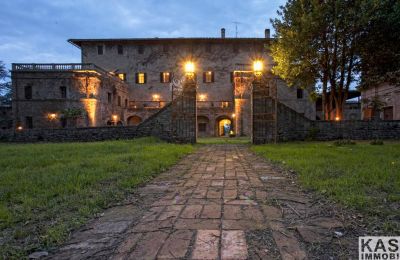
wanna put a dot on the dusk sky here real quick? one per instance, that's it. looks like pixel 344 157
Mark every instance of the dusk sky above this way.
pixel 37 31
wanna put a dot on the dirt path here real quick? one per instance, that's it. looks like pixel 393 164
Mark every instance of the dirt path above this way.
pixel 222 202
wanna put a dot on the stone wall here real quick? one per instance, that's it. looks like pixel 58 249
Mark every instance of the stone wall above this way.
pixel 357 130
pixel 293 126
pixel 290 124
pixel 158 125
pixel 69 134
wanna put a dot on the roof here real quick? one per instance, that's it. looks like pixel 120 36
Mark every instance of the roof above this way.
pixel 78 42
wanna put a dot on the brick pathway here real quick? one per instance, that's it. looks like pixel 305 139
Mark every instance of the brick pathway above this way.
pixel 209 206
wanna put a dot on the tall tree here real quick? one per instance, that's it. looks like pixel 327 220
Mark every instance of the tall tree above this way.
pixel 379 47
pixel 315 46
pixel 5 85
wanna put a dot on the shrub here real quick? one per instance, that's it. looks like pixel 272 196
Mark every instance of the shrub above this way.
pixel 376 142
pixel 344 142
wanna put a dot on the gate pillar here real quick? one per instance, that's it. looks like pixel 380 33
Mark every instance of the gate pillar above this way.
pixel 184 115
pixel 264 109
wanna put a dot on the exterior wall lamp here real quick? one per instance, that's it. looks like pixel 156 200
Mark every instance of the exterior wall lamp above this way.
pixel 52 116
pixel 189 70
pixel 258 67
pixel 115 118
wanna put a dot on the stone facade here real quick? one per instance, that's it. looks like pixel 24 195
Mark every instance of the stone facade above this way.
pixel 126 81
pixel 216 99
pixel 388 95
pixel 58 98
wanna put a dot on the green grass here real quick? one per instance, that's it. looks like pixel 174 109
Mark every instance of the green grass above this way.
pixel 48 189
pixel 223 140
pixel 361 176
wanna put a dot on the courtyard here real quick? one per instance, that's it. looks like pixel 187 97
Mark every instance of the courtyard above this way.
pixel 220 198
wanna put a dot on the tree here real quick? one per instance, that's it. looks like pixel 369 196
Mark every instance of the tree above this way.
pixel 379 47
pixel 5 85
pixel 316 44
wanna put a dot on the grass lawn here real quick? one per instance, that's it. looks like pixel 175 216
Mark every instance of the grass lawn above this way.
pixel 224 140
pixel 362 176
pixel 48 189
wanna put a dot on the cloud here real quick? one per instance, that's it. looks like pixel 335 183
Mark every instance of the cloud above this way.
pixel 37 30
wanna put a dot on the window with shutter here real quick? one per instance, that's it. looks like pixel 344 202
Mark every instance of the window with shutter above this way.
pixel 165 77
pixel 140 78
pixel 100 49
pixel 208 77
pixel 28 92
pixel 120 49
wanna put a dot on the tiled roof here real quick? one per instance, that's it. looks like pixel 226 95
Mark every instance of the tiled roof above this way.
pixel 78 42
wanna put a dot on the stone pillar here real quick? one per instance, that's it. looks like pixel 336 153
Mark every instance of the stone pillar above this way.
pixel 184 113
pixel 264 110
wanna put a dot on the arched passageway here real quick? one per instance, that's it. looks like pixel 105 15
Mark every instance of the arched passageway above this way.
pixel 134 120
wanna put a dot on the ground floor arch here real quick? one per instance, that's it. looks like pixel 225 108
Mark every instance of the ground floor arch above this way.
pixel 223 126
pixel 134 120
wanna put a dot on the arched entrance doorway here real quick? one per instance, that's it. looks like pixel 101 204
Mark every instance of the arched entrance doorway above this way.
pixel 224 126
pixel 134 120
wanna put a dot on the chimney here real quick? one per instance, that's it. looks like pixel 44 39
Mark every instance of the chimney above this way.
pixel 267 34
pixel 222 32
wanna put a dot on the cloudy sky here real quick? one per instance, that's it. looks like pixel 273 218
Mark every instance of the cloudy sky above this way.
pixel 36 31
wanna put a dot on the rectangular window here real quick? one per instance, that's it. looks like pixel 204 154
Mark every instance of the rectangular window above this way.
pixel 140 78
pixel 208 48
pixel 165 48
pixel 109 98
pixel 120 49
pixel 208 77
pixel 100 49
pixel 63 91
pixel 119 101
pixel 165 77
pixel 122 76
pixel 225 104
pixel 202 127
pixel 28 92
pixel 299 93
pixel 126 102
pixel 29 122
pixel 388 113
pixel 141 49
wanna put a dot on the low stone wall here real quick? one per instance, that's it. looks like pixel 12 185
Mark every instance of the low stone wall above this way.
pixel 157 125
pixel 356 130
pixel 70 134
pixel 293 126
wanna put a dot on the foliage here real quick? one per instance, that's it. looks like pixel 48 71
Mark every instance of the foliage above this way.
pixel 5 85
pixel 375 103
pixel 73 112
pixel 376 142
pixel 46 190
pixel 379 47
pixel 361 176
pixel 312 133
pixel 326 45
pixel 343 142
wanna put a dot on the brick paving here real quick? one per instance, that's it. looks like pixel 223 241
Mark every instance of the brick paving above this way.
pixel 205 207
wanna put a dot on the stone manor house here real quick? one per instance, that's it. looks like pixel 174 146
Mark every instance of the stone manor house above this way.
pixel 125 81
